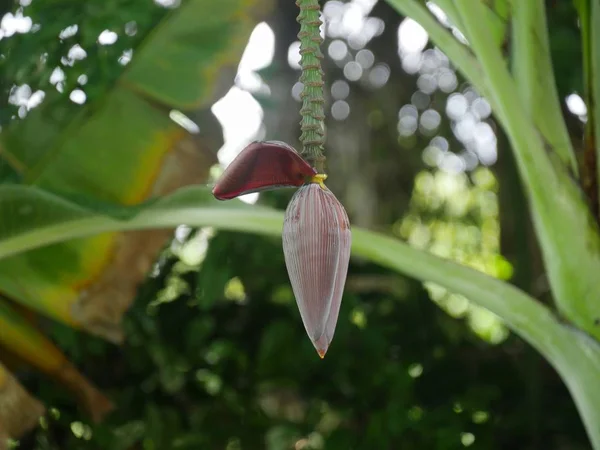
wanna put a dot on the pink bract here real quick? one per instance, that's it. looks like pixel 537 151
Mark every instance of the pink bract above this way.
pixel 316 245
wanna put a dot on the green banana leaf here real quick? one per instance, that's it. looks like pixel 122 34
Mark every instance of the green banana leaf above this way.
pixel 529 110
pixel 122 149
pixel 534 75
pixel 496 18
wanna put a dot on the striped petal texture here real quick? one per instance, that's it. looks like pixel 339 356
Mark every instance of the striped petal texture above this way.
pixel 261 166
pixel 316 246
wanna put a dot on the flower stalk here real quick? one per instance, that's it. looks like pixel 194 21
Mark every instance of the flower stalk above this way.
pixel 316 230
pixel 312 124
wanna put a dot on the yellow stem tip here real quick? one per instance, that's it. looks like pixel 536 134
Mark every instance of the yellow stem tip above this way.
pixel 319 179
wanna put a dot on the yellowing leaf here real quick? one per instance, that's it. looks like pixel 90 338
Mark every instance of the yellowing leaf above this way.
pixel 19 411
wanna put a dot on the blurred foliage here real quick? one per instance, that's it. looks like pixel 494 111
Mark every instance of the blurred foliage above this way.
pixel 65 54
pixel 455 216
pixel 215 355
pixel 231 367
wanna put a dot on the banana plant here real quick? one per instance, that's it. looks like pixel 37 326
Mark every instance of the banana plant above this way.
pixel 522 91
pixel 121 148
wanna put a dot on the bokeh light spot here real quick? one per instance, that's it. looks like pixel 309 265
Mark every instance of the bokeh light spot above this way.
pixel 412 37
pixel 340 110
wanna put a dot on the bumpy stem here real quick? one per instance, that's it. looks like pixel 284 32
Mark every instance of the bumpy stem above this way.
pixel 313 116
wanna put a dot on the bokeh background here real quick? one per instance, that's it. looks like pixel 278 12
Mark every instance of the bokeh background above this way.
pixel 215 355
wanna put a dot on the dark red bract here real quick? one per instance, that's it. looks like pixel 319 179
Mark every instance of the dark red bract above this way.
pixel 261 166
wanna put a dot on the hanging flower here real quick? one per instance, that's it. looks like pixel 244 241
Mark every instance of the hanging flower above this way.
pixel 316 230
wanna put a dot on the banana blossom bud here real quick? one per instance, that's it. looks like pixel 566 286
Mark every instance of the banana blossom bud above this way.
pixel 316 246
pixel 316 230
